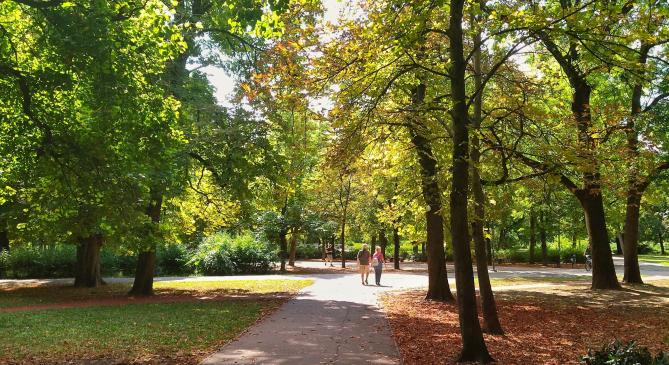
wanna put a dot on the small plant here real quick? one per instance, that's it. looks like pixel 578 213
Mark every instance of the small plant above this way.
pixel 619 353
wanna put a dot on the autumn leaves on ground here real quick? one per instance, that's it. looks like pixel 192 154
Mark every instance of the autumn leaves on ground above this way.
pixel 181 324
pixel 551 324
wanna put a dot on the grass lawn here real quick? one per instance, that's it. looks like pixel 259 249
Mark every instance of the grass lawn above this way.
pixel 182 332
pixel 655 259
pixel 51 294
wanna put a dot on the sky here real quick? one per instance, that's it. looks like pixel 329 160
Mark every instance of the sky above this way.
pixel 224 83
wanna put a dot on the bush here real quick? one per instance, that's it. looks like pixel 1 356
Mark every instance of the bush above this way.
pixel 618 353
pixel 172 260
pixel 308 251
pixel 39 262
pixel 223 254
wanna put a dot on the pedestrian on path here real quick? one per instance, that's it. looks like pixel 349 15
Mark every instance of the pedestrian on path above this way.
pixel 377 263
pixel 363 263
pixel 328 256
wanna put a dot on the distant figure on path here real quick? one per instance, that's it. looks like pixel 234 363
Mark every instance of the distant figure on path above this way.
pixel 328 256
pixel 377 263
pixel 363 263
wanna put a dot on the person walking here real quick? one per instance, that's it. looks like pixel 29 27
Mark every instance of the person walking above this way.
pixel 363 263
pixel 328 256
pixel 377 263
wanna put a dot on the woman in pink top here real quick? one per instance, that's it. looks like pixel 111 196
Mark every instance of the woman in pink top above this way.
pixel 377 264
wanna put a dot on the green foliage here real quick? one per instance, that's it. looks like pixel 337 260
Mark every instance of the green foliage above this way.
pixel 619 353
pixel 172 260
pixel 35 262
pixel 225 254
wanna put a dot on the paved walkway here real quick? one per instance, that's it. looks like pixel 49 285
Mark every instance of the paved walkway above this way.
pixel 334 321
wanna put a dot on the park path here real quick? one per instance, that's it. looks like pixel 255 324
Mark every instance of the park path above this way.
pixel 334 321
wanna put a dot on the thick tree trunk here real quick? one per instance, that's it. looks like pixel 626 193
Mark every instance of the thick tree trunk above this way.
pixel 632 272
pixel 383 240
pixel 473 344
pixel 87 274
pixel 146 265
pixel 283 249
pixel 542 236
pixel 438 287
pixel 590 195
pixel 293 248
pixel 146 262
pixel 533 235
pixel 396 245
pixel 603 271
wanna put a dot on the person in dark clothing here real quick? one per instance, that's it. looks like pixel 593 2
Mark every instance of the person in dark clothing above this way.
pixel 363 263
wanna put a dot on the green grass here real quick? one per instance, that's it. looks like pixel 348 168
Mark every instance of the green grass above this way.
pixel 176 333
pixel 44 295
pixel 125 331
pixel 240 286
pixel 656 259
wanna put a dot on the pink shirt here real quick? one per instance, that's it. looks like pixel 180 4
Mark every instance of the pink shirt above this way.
pixel 378 256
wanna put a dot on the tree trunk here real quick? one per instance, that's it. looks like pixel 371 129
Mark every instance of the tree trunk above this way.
pixel 4 247
pixel 438 287
pixel 344 205
pixel 533 235
pixel 634 184
pixel 146 262
pixel 473 344
pixel 491 323
pixel 293 248
pixel 590 195
pixel 632 272
pixel 542 236
pixel 619 243
pixel 603 271
pixel 373 243
pixel 383 240
pixel 4 241
pixel 661 240
pixel 87 273
pixel 488 243
pixel 283 249
pixel 396 245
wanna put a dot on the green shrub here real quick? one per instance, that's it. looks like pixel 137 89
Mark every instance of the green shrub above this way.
pixel 39 262
pixel 224 254
pixel 172 260
pixel 308 251
pixel 618 353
